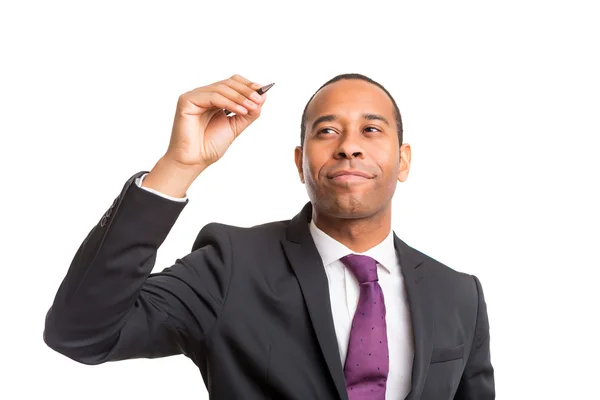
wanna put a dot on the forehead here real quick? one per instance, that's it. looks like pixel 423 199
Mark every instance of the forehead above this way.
pixel 348 98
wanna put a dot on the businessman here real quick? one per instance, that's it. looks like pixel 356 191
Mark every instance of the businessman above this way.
pixel 328 305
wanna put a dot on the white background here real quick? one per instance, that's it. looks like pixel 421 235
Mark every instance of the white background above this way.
pixel 500 104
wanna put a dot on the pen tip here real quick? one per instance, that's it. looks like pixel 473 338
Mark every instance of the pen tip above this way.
pixel 265 88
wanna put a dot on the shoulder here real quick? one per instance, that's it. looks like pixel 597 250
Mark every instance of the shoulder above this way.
pixel 444 278
pixel 234 236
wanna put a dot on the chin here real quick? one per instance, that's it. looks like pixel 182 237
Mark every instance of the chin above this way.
pixel 345 207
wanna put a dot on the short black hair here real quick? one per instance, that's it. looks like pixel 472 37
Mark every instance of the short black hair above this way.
pixel 362 78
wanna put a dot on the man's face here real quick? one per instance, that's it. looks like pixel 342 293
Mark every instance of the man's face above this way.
pixel 351 159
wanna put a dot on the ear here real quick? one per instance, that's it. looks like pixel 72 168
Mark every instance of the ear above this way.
pixel 298 159
pixel 405 155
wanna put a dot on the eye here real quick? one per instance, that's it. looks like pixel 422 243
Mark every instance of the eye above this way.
pixel 324 131
pixel 374 129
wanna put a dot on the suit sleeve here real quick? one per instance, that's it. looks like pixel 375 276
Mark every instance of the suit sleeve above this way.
pixel 477 382
pixel 110 306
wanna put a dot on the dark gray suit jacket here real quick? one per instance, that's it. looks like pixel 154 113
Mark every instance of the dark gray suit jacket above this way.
pixel 250 307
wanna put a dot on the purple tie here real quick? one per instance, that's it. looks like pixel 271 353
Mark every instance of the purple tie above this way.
pixel 367 361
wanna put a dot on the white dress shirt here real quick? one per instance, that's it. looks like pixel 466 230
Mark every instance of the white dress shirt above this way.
pixel 344 292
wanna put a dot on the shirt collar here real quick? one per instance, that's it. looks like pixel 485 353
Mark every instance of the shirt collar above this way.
pixel 331 250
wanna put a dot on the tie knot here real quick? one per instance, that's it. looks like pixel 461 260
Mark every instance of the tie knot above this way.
pixel 364 268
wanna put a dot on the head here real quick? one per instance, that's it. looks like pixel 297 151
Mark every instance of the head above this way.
pixel 351 154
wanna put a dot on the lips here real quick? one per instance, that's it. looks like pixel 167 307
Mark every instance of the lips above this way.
pixel 349 174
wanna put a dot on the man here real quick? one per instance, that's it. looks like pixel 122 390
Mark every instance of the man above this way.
pixel 328 305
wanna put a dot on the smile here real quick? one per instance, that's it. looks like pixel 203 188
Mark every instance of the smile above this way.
pixel 349 178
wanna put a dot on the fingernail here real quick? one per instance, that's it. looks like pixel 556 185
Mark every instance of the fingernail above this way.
pixel 264 89
pixel 255 96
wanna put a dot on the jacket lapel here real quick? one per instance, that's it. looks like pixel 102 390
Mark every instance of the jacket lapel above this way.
pixel 306 262
pixel 421 314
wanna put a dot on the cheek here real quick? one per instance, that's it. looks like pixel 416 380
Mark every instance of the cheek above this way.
pixel 306 167
pixel 388 163
pixel 311 174
pixel 312 166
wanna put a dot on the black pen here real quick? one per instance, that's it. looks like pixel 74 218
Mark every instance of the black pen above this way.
pixel 261 90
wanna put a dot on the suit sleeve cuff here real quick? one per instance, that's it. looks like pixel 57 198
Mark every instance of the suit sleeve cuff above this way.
pixel 139 181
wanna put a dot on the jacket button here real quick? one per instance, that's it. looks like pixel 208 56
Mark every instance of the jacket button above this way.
pixel 103 221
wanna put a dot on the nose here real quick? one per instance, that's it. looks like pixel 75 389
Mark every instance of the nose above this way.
pixel 349 147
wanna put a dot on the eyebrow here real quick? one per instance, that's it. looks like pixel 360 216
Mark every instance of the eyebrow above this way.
pixel 375 117
pixel 332 117
pixel 323 118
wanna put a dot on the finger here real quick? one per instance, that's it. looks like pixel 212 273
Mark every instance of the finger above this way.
pixel 217 100
pixel 233 95
pixel 246 82
pixel 247 91
pixel 252 114
pixel 242 121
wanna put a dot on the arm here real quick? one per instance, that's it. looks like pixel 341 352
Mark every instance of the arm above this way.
pixel 477 382
pixel 110 307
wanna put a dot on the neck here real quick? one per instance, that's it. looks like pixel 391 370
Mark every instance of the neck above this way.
pixel 359 234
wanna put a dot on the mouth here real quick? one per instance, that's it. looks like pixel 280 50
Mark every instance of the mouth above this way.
pixel 349 176
pixel 349 179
